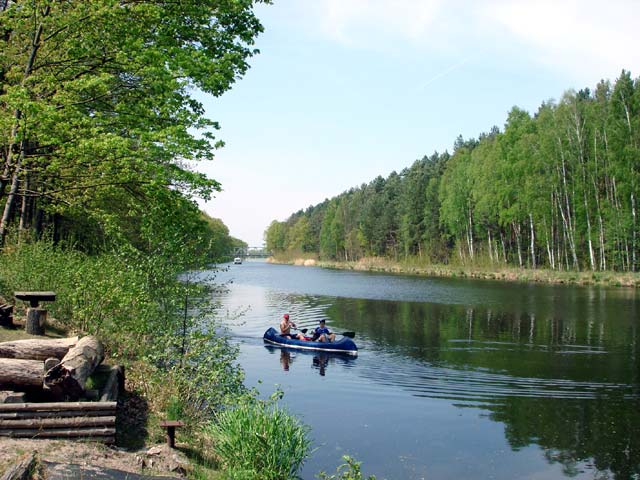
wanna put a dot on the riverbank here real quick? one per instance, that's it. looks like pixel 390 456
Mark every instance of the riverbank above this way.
pixel 509 274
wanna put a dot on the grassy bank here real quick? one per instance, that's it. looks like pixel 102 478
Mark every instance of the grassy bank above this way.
pixel 151 317
pixel 509 274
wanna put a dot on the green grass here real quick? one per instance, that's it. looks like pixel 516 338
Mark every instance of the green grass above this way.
pixel 259 441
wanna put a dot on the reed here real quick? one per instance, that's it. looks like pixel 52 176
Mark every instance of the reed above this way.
pixel 259 440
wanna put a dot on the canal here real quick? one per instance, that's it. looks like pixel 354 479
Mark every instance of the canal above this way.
pixel 454 378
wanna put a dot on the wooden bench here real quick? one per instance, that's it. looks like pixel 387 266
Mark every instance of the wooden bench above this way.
pixel 6 319
pixel 170 426
pixel 34 298
pixel 36 317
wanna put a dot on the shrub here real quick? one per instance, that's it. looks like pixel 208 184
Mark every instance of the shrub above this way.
pixel 259 440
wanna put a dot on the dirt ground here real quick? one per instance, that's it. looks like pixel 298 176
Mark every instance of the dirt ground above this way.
pixel 156 460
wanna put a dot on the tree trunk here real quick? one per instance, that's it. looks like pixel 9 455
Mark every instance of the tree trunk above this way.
pixel 633 237
pixel 516 231
pixel 68 378
pixel 21 373
pixel 35 47
pixel 34 349
pixel 533 240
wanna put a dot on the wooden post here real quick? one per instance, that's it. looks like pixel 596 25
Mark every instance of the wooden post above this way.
pixel 36 319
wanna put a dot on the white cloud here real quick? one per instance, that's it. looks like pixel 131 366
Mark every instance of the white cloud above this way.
pixel 581 38
pixel 584 37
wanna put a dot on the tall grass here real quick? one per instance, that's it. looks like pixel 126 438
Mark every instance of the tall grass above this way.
pixel 259 440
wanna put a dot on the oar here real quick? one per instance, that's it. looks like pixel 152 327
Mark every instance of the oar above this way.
pixel 344 334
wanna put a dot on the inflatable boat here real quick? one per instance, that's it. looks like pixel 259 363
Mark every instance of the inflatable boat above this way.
pixel 344 345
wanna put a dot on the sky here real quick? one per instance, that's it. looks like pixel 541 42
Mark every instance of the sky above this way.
pixel 346 90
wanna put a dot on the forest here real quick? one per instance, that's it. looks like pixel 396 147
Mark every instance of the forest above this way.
pixel 556 189
pixel 99 130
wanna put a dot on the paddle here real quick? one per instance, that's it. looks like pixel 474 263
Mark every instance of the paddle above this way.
pixel 344 334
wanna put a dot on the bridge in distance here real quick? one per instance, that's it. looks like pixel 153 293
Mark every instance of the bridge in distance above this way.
pixel 250 252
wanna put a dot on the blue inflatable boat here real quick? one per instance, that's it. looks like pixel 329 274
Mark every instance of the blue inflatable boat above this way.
pixel 344 345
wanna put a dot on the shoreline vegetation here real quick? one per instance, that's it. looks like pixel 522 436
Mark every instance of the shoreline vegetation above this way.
pixel 507 274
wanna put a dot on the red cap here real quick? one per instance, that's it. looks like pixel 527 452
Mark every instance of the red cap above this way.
pixel 286 316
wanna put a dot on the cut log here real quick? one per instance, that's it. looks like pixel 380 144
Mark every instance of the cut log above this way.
pixel 22 470
pixel 111 388
pixel 58 407
pixel 36 349
pixel 59 432
pixel 49 363
pixel 67 379
pixel 21 374
pixel 42 423
pixel 11 397
pixel 58 414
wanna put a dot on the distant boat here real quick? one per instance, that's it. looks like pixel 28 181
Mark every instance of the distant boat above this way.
pixel 237 260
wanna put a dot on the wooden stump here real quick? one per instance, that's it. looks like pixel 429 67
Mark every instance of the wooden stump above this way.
pixel 36 319
pixel 67 379
pixel 36 349
pixel 21 373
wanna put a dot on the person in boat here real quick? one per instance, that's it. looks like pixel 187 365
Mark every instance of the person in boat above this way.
pixel 285 328
pixel 322 333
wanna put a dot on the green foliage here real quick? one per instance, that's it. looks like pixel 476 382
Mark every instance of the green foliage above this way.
pixel 350 470
pixel 558 189
pixel 97 120
pixel 259 440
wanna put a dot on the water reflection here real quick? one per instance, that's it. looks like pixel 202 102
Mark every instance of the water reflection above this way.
pixel 319 361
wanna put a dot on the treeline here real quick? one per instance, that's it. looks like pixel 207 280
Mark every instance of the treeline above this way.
pixel 557 190
pixel 97 120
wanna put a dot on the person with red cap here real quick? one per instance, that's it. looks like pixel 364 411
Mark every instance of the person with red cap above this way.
pixel 285 328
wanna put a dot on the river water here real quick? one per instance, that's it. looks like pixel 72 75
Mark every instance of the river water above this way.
pixel 454 378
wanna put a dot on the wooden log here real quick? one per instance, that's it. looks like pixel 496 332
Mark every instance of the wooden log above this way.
pixel 37 349
pixel 112 386
pixel 22 470
pixel 49 363
pixel 58 406
pixel 68 378
pixel 6 319
pixel 47 423
pixel 36 319
pixel 11 397
pixel 21 373
pixel 71 413
pixel 59 433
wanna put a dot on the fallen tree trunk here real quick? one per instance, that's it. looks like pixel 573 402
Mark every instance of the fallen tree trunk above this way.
pixel 67 379
pixel 35 349
pixel 21 373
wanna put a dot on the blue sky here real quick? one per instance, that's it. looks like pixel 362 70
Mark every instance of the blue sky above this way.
pixel 346 90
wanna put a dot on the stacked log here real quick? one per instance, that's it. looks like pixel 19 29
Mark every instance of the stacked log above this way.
pixel 80 420
pixel 59 368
